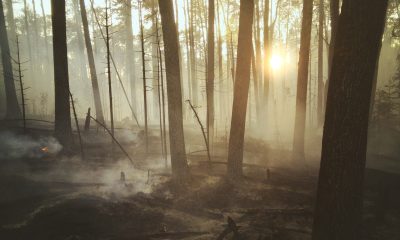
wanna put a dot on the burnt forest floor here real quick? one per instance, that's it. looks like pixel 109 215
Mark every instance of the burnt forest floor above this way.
pixel 69 199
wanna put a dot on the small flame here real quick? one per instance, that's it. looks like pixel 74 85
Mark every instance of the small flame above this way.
pixel 45 149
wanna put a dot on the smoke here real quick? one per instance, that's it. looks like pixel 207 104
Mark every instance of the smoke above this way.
pixel 19 146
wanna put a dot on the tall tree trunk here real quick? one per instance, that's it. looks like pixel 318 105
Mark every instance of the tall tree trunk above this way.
pixel 179 48
pixel 92 66
pixel 28 40
pixel 193 68
pixel 334 12
pixel 35 28
pixel 220 67
pixel 109 76
pixel 302 80
pixel 338 213
pixel 13 110
pixel 144 79
pixel 266 53
pixel 80 41
pixel 154 58
pixel 63 130
pixel 254 68
pixel 258 60
pixel 130 53
pixel 174 91
pixel 186 10
pixel 45 30
pixel 210 72
pixel 241 90
pixel 320 62
pixel 11 22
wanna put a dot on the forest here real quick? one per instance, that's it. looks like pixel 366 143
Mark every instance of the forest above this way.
pixel 200 119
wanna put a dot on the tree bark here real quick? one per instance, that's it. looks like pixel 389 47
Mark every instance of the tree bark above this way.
pixel 92 66
pixel 28 40
pixel 154 60
pixel 266 54
pixel 174 92
pixel 334 12
pixel 338 213
pixel 193 68
pixel 241 90
pixel 80 41
pixel 320 62
pixel 45 30
pixel 12 108
pixel 302 77
pixel 144 79
pixel 11 22
pixel 63 130
pixel 210 72
pixel 130 53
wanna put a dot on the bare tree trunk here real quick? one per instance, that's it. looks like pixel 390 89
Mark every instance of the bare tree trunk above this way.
pixel 179 48
pixel 210 72
pixel 159 89
pixel 186 10
pixel 320 62
pixel 302 77
pixel 144 79
pixel 11 22
pixel 255 81
pixel 241 91
pixel 28 39
pixel 45 30
pixel 221 84
pixel 258 60
pixel 21 84
pixel 130 53
pixel 193 68
pixel 338 213
pixel 110 92
pixel 154 60
pixel 80 42
pixel 63 130
pixel 13 111
pixel 35 25
pixel 334 12
pixel 266 54
pixel 177 142
pixel 92 65
pixel 163 104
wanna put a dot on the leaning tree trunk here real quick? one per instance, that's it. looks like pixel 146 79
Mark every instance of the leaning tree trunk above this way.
pixel 63 130
pixel 210 72
pixel 174 91
pixel 241 89
pixel 338 213
pixel 302 77
pixel 92 65
pixel 13 110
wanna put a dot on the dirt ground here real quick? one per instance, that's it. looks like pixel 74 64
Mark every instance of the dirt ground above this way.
pixel 69 199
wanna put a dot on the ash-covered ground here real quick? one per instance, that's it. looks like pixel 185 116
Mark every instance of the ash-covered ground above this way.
pixel 48 196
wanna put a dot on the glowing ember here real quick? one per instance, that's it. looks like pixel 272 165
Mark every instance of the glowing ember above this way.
pixel 45 149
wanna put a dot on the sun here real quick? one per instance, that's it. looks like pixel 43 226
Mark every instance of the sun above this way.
pixel 275 61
